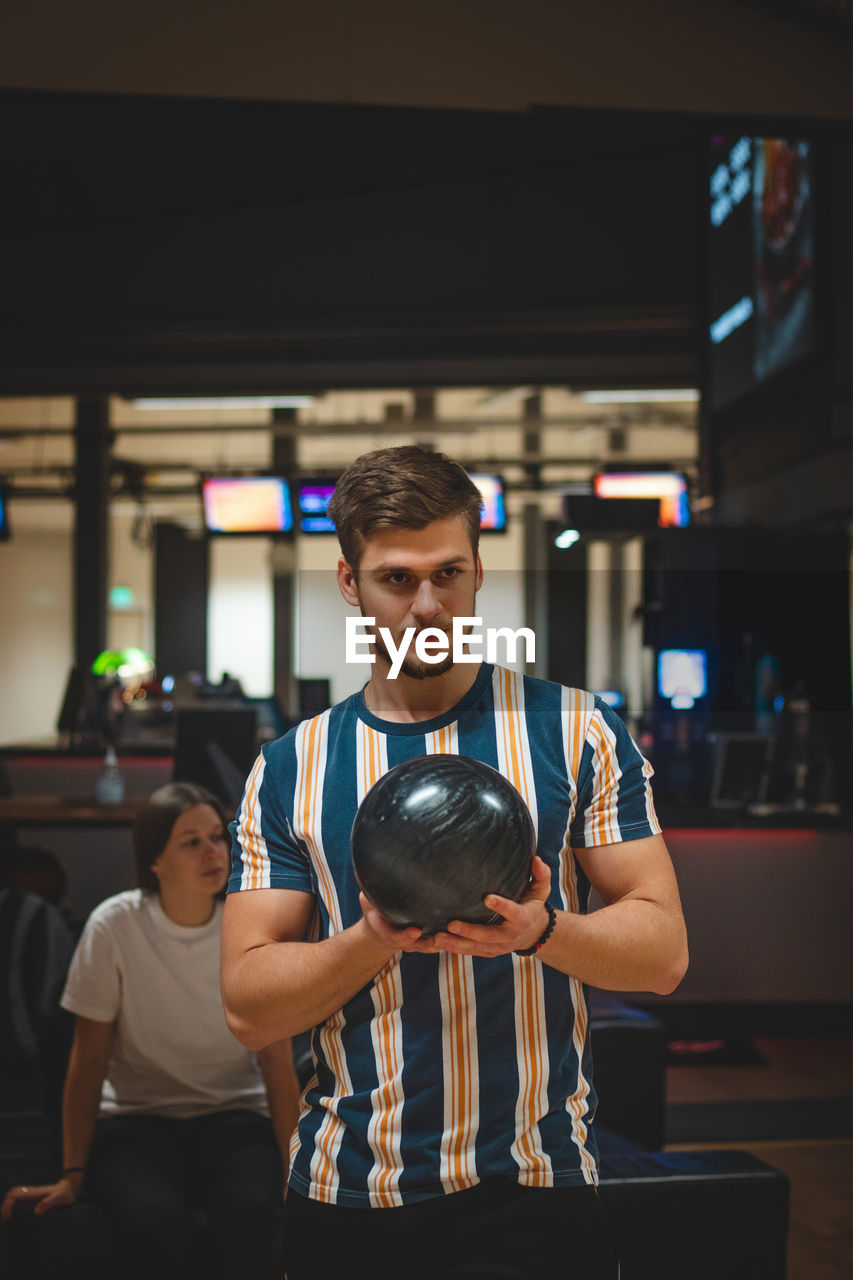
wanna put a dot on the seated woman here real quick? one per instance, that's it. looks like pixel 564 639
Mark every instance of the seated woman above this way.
pixel 163 1110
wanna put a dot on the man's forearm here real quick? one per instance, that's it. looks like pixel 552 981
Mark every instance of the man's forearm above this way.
pixel 282 988
pixel 631 945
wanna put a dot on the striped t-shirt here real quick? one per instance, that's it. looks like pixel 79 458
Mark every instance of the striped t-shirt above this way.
pixel 445 1070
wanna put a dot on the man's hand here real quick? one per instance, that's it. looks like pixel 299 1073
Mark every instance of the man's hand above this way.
pixel 407 939
pixel 523 924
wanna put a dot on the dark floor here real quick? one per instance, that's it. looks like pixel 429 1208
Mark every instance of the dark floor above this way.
pixel 799 1084
pixel 799 1072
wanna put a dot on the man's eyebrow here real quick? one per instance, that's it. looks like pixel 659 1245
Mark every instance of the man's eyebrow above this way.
pixel 407 568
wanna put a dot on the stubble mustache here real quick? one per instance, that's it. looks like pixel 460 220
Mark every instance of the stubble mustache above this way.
pixel 412 665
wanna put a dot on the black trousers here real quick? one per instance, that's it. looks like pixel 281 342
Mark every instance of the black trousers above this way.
pixel 497 1230
pixel 149 1180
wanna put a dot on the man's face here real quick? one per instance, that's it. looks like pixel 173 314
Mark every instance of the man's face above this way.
pixel 415 578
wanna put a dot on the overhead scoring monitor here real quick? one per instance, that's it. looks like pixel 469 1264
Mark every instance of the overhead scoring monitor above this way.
pixel 493 492
pixel 760 269
pixel 246 504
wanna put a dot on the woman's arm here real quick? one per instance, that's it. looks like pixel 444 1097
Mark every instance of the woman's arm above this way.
pixel 276 1062
pixel 87 1067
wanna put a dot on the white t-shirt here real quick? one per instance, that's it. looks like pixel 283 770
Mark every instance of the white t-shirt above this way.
pixel 172 1053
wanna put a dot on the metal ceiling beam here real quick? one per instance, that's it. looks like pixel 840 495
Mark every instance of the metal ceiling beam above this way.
pixel 66 489
pixel 663 415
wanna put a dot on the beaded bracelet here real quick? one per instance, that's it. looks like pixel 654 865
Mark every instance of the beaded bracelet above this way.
pixel 549 929
pixel 75 1168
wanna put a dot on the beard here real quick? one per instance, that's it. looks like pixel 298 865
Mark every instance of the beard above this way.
pixel 413 666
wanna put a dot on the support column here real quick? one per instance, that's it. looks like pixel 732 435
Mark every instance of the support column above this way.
pixel 599 630
pixel 93 440
pixel 535 547
pixel 285 687
pixel 616 609
pixel 532 441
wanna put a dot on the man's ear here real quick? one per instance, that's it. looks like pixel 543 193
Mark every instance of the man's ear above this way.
pixel 479 579
pixel 347 583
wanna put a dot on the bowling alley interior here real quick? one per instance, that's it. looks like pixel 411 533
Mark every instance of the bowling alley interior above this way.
pixel 619 294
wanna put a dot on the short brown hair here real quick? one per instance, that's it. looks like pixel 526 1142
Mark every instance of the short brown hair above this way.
pixel 405 487
pixel 156 819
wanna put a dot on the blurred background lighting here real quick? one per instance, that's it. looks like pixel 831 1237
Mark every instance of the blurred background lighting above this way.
pixel 567 538
pixel 642 395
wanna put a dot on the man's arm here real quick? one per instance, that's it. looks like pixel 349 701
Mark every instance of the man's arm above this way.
pixel 636 942
pixel 274 984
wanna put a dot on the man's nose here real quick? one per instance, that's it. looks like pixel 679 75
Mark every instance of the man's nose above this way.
pixel 426 603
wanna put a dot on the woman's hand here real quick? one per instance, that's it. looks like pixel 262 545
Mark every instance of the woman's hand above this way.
pixel 43 1198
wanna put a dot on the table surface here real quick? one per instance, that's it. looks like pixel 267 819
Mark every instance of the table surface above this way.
pixel 76 811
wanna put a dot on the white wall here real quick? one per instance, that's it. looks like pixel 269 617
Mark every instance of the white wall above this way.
pixel 500 602
pixel 36 620
pixel 131 564
pixel 319 618
pixel 240 613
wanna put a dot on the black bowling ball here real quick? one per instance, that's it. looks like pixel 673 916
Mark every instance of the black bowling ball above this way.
pixel 436 834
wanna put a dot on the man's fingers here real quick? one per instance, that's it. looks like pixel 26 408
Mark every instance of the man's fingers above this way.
pixel 384 928
pixel 469 947
pixel 540 885
pixel 504 906
pixel 541 871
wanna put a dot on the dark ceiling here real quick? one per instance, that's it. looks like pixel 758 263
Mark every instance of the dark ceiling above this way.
pixel 203 245
pixel 830 18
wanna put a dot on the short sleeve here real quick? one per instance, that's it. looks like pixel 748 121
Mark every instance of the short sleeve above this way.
pixel 265 852
pixel 614 785
pixel 93 987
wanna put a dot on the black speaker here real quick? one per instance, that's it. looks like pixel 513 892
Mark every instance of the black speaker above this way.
pixel 216 747
pixel 589 514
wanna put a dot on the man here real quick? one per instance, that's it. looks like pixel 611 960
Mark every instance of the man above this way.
pixel 446 1128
